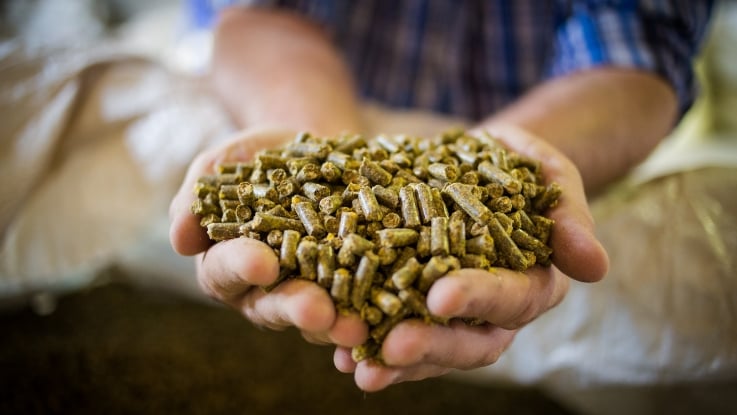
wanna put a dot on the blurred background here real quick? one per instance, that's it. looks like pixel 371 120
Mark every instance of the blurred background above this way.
pixel 102 106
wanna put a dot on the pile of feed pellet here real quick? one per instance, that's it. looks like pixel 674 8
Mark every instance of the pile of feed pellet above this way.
pixel 376 222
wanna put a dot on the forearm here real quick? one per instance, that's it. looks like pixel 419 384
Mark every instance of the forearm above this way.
pixel 605 120
pixel 272 69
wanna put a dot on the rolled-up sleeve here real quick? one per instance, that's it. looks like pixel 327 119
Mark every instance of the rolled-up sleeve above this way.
pixel 660 36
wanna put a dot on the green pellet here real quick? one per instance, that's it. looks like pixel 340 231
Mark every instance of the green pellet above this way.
pixel 463 197
pixel 307 259
pixel 387 302
pixel 370 206
pixel 310 219
pixel 340 291
pixel 407 274
pixel 375 173
pixel 348 224
pixel 223 231
pixel 397 238
pixel 263 222
pixel 444 172
pixel 439 240
pixel 508 250
pixel 457 234
pixel 435 268
pixel 365 351
pixel 288 250
pixel 363 279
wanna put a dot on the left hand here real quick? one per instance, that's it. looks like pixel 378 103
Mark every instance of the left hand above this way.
pixel 507 300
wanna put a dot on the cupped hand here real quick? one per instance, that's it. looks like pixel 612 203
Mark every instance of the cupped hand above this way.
pixel 505 300
pixel 234 271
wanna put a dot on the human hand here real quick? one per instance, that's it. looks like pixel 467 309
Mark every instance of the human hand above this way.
pixel 233 271
pixel 506 300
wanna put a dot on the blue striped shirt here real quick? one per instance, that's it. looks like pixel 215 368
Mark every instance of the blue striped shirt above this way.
pixel 470 58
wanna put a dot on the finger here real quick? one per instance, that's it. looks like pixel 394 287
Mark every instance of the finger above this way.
pixel 299 303
pixel 457 346
pixel 502 297
pixel 343 360
pixel 348 331
pixel 373 377
pixel 230 268
pixel 186 235
pixel 577 251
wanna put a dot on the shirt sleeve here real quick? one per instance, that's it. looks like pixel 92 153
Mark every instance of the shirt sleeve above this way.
pixel 660 36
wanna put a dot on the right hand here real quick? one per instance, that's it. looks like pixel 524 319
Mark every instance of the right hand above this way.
pixel 234 271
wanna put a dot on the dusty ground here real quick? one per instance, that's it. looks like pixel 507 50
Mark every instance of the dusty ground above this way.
pixel 116 349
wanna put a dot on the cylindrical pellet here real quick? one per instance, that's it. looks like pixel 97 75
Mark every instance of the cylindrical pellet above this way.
pixel 549 198
pixel 243 213
pixel 208 219
pixel 265 191
pixel 444 172
pixel 409 208
pixel 340 291
pixel 228 191
pixel 481 245
pixel 308 173
pixel 398 237
pixel 462 195
pixel 353 245
pixel 457 234
pixel 543 226
pixel 529 242
pixel 371 315
pixel 407 274
pixel 315 191
pixel 330 172
pixel 288 251
pixel 330 204
pixel 424 242
pixel 229 216
pixel 387 255
pixel 307 259
pixel 363 279
pixel 501 204
pixel 439 241
pixel 274 238
pixel 276 176
pixel 375 173
pixel 295 164
pixel 223 231
pixel 310 219
pixel 425 202
pixel 387 197
pixel 440 209
pixel 325 265
pixel 434 269
pixel 370 206
pixel 387 302
pixel 391 220
pixel 348 223
pixel 263 222
pixel 494 174
pixel 506 247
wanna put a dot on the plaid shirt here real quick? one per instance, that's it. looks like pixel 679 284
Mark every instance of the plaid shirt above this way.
pixel 470 58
